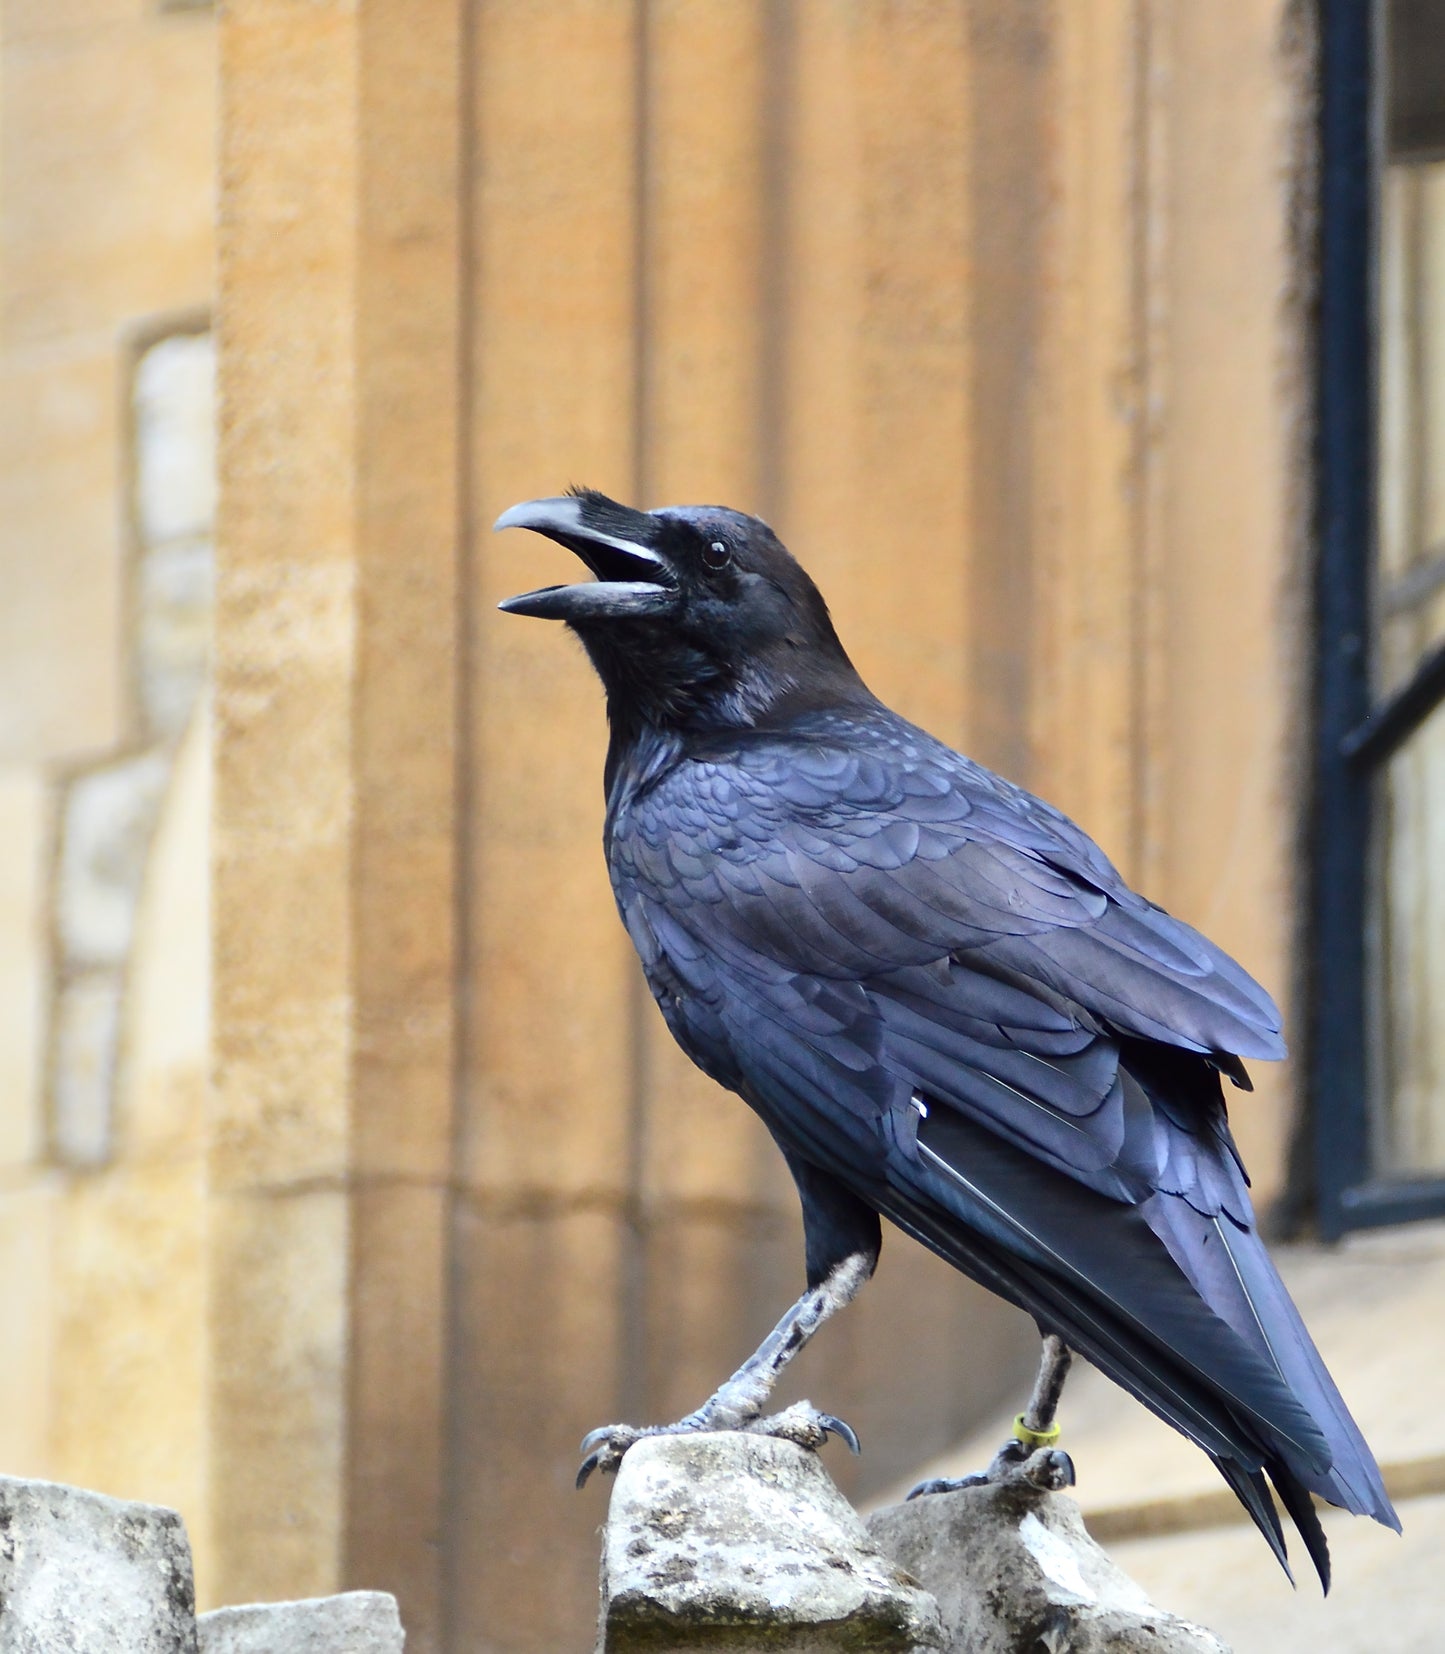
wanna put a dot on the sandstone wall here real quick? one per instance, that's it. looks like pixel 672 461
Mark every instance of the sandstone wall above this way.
pixel 107 492
pixel 994 310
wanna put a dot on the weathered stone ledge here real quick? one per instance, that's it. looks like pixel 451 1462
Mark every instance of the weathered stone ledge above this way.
pixel 85 1574
pixel 729 1543
pixel 739 1543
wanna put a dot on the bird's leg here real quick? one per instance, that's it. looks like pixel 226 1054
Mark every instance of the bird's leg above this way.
pixel 738 1403
pixel 1030 1454
pixel 1037 1419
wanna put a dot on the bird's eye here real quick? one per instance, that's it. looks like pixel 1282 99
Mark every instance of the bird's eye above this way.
pixel 715 555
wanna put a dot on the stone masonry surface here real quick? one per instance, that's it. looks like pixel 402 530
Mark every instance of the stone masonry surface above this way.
pixel 735 1541
pixel 1015 1572
pixel 84 1574
pixel 358 1622
pixel 108 808
pixel 725 1542
pixel 738 1542
pixel 81 1573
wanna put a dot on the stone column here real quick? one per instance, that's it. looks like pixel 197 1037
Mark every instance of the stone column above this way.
pixel 335 813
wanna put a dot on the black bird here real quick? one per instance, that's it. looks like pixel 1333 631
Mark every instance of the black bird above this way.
pixel 945 1004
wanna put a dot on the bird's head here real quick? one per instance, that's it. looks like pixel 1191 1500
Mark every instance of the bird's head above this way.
pixel 698 616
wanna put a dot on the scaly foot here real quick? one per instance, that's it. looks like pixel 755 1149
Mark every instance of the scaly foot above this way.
pixel 1048 1468
pixel 800 1423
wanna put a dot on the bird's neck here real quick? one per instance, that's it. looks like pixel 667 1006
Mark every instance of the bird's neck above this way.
pixel 634 761
pixel 643 746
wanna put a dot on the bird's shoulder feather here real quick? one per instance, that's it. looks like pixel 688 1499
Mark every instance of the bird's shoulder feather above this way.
pixel 849 846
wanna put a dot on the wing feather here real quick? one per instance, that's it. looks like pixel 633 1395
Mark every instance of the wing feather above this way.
pixel 889 850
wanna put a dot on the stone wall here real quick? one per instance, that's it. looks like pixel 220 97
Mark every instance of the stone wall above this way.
pixel 93 1575
pixel 107 487
pixel 107 811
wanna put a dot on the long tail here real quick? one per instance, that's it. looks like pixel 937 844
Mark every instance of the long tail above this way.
pixel 1217 1351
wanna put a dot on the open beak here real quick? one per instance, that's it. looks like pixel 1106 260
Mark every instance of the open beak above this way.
pixel 632 578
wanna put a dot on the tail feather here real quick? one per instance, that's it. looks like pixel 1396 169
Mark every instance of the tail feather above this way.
pixel 1217 1350
pixel 1353 1478
pixel 1252 1491
pixel 1297 1502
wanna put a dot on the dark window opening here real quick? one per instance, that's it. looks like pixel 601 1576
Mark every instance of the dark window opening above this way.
pixel 1378 907
pixel 1414 91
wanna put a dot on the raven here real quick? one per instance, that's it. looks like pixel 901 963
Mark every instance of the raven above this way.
pixel 945 1004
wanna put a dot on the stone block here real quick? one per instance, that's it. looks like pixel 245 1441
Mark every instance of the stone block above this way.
pixel 29 1225
pixel 279 1318
pixel 109 816
pixel 166 1025
pixel 125 1408
pixel 24 962
pixel 29 22
pixel 62 621
pixel 86 1046
pixel 82 1572
pixel 175 590
pixel 358 1622
pixel 519 1523
pixel 740 1542
pixel 111 175
pixel 1014 1572
pixel 175 429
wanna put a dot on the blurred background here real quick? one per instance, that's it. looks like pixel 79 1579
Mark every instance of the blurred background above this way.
pixel 1090 353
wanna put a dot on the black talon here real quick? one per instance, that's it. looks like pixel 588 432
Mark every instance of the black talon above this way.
pixel 588 1465
pixel 1061 1467
pixel 594 1438
pixel 845 1432
pixel 1043 1473
pixel 933 1484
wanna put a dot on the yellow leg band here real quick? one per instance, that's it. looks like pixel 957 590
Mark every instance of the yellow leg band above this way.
pixel 1035 1438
